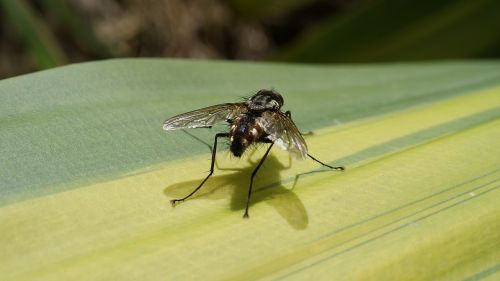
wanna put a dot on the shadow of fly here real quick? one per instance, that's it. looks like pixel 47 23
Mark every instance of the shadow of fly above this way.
pixel 258 119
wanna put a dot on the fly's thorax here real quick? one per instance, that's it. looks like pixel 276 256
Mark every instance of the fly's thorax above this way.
pixel 265 100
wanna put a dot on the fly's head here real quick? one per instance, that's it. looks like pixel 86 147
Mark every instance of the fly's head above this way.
pixel 265 100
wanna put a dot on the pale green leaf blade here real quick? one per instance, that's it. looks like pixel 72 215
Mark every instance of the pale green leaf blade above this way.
pixel 88 173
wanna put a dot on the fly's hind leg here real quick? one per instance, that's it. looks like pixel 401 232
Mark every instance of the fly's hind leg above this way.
pixel 214 152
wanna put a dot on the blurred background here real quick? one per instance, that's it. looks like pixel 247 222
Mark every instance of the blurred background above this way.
pixel 40 34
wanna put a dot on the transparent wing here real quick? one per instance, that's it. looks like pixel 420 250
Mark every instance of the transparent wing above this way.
pixel 283 132
pixel 205 117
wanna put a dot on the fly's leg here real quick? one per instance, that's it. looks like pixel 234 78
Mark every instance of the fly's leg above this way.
pixel 289 115
pixel 214 151
pixel 198 139
pixel 340 168
pixel 251 179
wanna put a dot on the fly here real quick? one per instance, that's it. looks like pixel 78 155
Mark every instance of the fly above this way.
pixel 258 119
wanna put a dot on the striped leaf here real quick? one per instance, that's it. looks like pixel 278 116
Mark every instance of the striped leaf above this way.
pixel 87 174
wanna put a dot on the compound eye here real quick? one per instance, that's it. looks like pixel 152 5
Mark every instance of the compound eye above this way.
pixel 274 104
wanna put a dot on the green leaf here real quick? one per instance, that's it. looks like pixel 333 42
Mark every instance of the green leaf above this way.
pixel 87 173
pixel 393 30
pixel 34 33
pixel 77 27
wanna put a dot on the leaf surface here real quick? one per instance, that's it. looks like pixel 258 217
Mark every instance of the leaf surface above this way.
pixel 87 173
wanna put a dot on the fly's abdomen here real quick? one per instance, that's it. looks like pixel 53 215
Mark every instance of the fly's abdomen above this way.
pixel 238 146
pixel 243 132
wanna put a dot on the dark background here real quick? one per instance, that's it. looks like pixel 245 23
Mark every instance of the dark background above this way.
pixel 40 34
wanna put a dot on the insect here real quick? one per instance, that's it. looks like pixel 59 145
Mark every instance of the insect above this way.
pixel 258 119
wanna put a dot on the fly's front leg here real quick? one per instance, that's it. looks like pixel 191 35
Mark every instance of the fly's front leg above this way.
pixel 214 152
pixel 340 168
pixel 288 114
